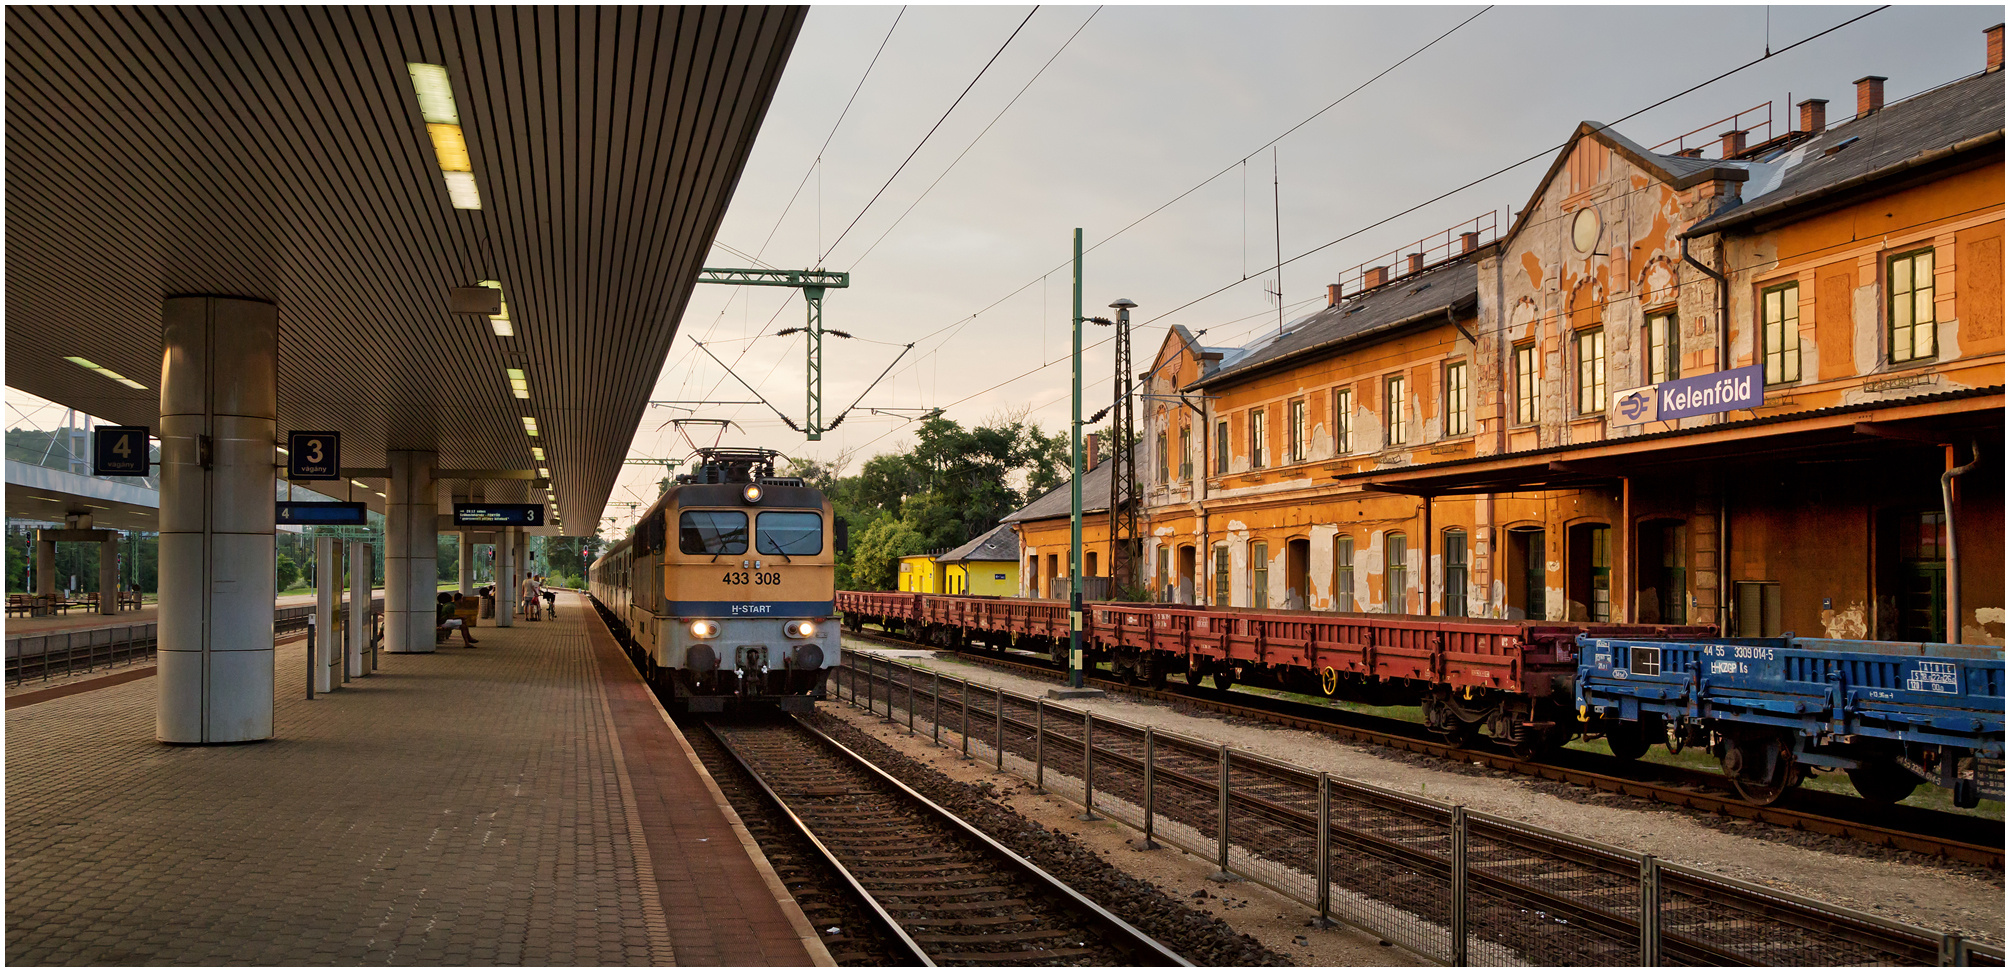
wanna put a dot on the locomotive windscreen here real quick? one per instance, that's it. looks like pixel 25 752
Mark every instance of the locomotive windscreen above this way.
pixel 790 534
pixel 712 532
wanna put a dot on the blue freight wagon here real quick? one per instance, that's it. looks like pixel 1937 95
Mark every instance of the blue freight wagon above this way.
pixel 1889 714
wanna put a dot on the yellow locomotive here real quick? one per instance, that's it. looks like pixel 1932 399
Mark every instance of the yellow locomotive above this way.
pixel 723 595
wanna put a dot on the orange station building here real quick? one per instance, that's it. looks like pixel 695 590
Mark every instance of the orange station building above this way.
pixel 1761 389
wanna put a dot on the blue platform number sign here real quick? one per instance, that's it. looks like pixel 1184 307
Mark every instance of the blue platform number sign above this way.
pixel 314 455
pixel 120 450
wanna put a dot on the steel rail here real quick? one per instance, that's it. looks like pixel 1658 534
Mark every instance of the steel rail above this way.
pixel 885 921
pixel 1145 949
pixel 1872 932
pixel 1709 803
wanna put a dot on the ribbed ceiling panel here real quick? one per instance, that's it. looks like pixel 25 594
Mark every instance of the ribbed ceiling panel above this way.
pixel 278 153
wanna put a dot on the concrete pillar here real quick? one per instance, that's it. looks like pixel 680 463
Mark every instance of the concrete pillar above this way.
pixel 362 566
pixel 411 552
pixel 328 636
pixel 467 562
pixel 506 571
pixel 108 575
pixel 45 575
pixel 219 403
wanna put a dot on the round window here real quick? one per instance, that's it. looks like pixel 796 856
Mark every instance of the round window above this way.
pixel 1584 230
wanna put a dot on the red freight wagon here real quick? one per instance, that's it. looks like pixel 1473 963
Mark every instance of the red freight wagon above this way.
pixel 1512 678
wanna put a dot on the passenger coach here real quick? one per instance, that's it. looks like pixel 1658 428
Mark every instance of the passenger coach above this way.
pixel 723 595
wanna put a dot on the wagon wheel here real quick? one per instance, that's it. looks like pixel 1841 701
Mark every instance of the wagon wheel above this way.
pixel 1224 679
pixel 1629 740
pixel 1883 781
pixel 1761 770
pixel 1459 734
pixel 1194 674
pixel 1155 676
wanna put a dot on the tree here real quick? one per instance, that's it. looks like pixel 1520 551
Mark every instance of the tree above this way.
pixel 286 572
pixel 876 553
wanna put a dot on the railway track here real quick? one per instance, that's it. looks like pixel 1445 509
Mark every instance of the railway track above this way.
pixel 1523 893
pixel 941 889
pixel 1934 833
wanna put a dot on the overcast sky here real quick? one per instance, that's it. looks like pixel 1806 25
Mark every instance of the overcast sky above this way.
pixel 1147 103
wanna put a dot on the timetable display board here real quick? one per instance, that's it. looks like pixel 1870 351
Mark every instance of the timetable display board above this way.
pixel 499 514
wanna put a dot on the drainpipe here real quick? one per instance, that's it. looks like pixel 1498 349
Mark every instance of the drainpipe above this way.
pixel 1723 308
pixel 1953 558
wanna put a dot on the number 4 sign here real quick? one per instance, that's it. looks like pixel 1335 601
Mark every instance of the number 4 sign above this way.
pixel 120 450
pixel 313 455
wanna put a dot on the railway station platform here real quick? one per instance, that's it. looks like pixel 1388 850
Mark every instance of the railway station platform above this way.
pixel 523 801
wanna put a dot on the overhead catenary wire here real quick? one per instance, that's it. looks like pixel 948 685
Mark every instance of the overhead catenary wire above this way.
pixel 980 137
pixel 1502 171
pixel 1544 153
pixel 924 139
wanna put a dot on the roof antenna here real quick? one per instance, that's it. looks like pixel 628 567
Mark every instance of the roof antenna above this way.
pixel 1277 223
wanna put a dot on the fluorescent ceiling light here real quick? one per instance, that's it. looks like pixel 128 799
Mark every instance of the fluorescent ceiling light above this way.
pixel 90 365
pixel 436 93
pixel 537 452
pixel 518 384
pixel 443 126
pixel 282 450
pixel 359 484
pixel 529 425
pixel 500 320
pixel 543 473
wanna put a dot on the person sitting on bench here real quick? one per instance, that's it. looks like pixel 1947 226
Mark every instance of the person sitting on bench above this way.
pixel 448 623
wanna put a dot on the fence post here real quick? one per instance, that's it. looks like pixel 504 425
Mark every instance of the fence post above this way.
pixel 1039 745
pixel 963 707
pixel 310 659
pixel 1650 911
pixel 1461 889
pixel 998 742
pixel 1323 862
pixel 1952 950
pixel 909 679
pixel 1221 873
pixel 935 711
pixel 1151 737
pixel 1088 767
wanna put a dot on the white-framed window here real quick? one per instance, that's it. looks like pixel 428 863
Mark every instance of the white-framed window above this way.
pixel 1458 409
pixel 1780 312
pixel 1909 311
pixel 1297 431
pixel 1591 371
pixel 1258 433
pixel 1527 384
pixel 1664 347
pixel 1393 391
pixel 1343 421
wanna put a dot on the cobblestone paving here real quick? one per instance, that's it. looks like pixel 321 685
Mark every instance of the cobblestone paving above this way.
pixel 460 807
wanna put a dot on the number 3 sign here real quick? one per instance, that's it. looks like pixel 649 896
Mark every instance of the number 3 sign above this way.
pixel 313 455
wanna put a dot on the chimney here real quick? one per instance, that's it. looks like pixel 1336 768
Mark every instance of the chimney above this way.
pixel 1332 295
pixel 1994 36
pixel 1814 115
pixel 1416 262
pixel 1090 452
pixel 1689 153
pixel 1375 277
pixel 1468 242
pixel 1869 94
pixel 1734 143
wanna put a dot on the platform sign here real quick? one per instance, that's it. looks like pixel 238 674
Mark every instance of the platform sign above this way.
pixel 313 455
pixel 499 514
pixel 1718 391
pixel 321 514
pixel 120 450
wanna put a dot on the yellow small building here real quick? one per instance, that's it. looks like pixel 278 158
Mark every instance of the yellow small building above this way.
pixel 920 572
pixel 988 565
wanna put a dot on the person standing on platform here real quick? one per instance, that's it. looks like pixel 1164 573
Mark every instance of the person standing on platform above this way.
pixel 531 600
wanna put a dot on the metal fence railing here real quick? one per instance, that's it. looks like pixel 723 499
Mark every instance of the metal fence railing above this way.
pixel 56 654
pixel 1448 883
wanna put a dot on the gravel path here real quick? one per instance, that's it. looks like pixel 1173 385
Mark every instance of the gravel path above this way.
pixel 1936 894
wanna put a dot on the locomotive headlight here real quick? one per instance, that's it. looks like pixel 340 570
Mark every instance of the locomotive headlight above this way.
pixel 800 629
pixel 752 492
pixel 704 629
